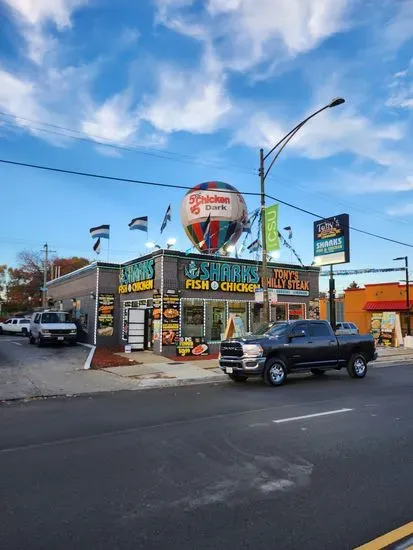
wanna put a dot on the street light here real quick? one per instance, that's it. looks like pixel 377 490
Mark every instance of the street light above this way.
pixel 263 176
pixel 406 263
pixel 170 242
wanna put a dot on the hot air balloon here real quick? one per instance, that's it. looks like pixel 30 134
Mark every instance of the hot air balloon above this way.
pixel 213 214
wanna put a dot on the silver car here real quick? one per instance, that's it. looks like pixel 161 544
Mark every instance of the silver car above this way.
pixel 346 328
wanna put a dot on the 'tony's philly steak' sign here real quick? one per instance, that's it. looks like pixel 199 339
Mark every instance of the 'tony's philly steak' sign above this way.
pixel 137 277
pixel 231 277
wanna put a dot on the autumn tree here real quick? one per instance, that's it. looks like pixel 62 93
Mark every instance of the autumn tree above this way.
pixel 26 280
pixel 353 285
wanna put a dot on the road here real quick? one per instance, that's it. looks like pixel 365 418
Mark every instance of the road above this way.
pixel 207 467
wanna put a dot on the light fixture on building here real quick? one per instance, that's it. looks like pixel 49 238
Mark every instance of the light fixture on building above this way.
pixel 170 242
pixel 92 296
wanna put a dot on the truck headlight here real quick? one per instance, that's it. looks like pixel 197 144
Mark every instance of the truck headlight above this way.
pixel 73 331
pixel 44 331
pixel 252 350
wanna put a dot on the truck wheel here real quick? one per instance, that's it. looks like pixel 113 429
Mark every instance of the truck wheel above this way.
pixel 275 373
pixel 357 366
pixel 238 377
pixel 32 341
pixel 39 342
pixel 1 330
pixel 318 372
pixel 24 331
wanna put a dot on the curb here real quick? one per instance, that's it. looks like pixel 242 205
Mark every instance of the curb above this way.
pixel 174 382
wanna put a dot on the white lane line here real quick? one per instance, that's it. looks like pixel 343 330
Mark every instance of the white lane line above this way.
pixel 16 343
pixel 338 411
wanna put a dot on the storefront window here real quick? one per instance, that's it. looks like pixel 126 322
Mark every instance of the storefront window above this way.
pixel 193 318
pixel 296 311
pixel 279 312
pixel 240 309
pixel 215 321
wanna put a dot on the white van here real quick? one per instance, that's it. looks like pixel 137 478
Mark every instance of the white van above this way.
pixel 51 327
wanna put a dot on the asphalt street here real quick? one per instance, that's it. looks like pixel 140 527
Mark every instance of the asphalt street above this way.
pixel 211 466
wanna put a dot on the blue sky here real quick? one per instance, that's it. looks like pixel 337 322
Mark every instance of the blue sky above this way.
pixel 206 84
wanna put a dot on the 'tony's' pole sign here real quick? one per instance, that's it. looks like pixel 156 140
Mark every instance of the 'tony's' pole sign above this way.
pixel 332 240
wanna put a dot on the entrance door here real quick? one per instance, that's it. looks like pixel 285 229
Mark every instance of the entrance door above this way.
pixel 137 328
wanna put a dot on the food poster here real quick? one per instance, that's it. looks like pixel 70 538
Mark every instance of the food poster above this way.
pixel 388 324
pixel 191 346
pixel 170 319
pixel 376 320
pixel 156 318
pixel 106 306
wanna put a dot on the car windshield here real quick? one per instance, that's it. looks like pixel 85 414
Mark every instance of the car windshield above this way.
pixel 55 317
pixel 272 329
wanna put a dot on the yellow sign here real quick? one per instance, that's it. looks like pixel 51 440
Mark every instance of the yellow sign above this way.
pixel 224 286
pixel 138 286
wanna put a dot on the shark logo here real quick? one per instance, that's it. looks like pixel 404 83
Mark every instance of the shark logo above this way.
pixel 191 270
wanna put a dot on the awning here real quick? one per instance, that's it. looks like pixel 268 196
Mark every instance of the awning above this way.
pixel 392 305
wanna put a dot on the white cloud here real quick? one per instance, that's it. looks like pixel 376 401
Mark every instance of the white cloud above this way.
pixel 330 133
pixel 115 120
pixel 369 183
pixel 31 17
pixel 404 209
pixel 191 101
pixel 399 29
pixel 402 89
pixel 245 33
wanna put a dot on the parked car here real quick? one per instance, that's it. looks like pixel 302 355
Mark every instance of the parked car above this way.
pixel 346 328
pixel 51 327
pixel 15 325
pixel 295 346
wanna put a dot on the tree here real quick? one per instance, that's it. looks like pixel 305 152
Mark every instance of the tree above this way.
pixel 353 285
pixel 26 280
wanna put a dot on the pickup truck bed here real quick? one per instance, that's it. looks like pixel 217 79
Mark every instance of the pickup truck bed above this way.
pixel 295 346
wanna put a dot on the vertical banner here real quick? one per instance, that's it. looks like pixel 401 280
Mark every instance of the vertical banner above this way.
pixel 271 228
pixel 106 304
pixel 156 318
pixel 170 319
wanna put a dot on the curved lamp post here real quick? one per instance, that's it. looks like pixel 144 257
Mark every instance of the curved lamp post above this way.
pixel 263 176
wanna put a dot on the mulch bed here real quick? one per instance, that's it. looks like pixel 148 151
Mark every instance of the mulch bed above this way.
pixel 104 358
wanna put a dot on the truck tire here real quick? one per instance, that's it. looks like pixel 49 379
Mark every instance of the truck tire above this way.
pixel 238 377
pixel 31 339
pixel 24 331
pixel 318 372
pixel 39 342
pixel 275 373
pixel 357 366
pixel 1 330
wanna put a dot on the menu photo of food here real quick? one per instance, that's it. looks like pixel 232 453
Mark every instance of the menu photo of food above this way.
pixel 170 319
pixel 106 305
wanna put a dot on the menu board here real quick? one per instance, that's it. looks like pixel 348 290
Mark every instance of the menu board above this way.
pixel 170 319
pixel 191 346
pixel 388 324
pixel 106 305
pixel 376 320
pixel 156 318
pixel 235 327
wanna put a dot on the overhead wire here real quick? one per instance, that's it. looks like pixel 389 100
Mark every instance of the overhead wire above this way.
pixel 178 157
pixel 177 186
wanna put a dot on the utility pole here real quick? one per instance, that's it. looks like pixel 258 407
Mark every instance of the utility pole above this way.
pixel 264 272
pixel 408 296
pixel 45 266
pixel 332 301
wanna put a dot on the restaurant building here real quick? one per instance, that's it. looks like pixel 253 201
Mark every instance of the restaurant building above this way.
pixel 174 300
pixel 362 306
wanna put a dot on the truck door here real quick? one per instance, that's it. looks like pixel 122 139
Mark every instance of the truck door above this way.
pixel 323 345
pixel 299 348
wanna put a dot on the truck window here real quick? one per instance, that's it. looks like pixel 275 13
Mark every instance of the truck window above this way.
pixel 298 328
pixel 319 330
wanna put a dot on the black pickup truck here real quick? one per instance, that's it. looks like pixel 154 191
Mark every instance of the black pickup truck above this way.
pixel 295 346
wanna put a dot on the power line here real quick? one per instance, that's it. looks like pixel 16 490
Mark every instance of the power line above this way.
pixel 174 186
pixel 123 146
pixel 177 157
pixel 320 217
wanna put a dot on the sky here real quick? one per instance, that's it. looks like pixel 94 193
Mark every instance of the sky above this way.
pixel 186 91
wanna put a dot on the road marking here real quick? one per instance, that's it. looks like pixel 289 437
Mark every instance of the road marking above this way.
pixel 389 538
pixel 338 411
pixel 16 343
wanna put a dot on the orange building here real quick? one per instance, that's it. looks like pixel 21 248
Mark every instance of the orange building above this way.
pixel 361 303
